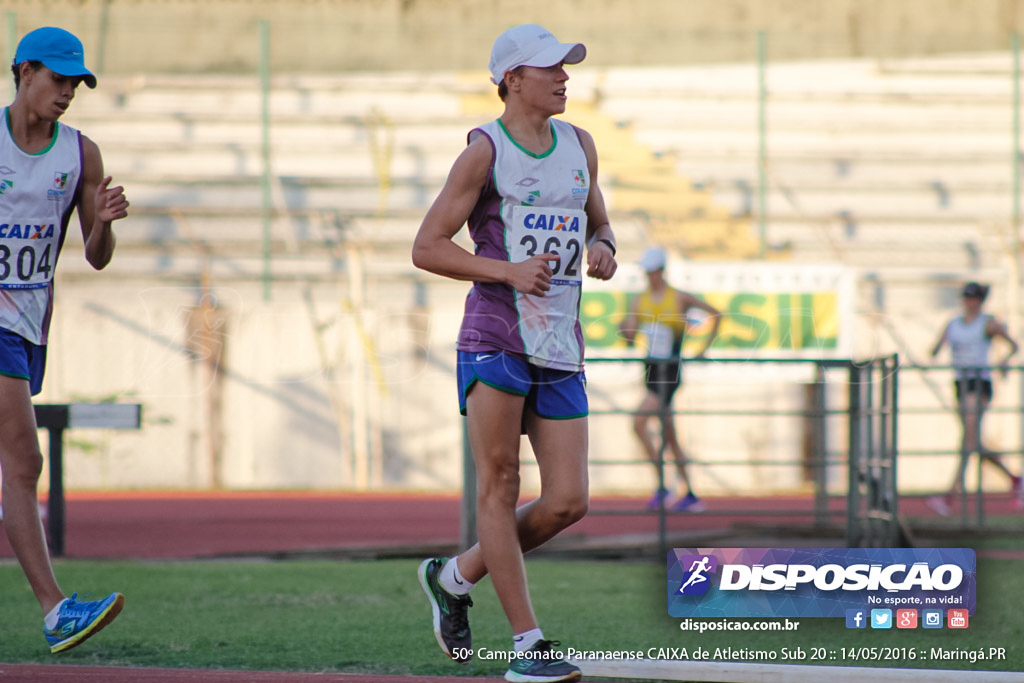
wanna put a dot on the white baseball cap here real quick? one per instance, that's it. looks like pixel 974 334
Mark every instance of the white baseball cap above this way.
pixel 530 45
pixel 653 259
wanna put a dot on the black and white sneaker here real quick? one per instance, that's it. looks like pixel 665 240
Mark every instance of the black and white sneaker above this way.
pixel 541 664
pixel 451 617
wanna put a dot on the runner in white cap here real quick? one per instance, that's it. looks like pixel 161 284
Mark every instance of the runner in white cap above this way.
pixel 527 186
pixel 660 312
pixel 47 171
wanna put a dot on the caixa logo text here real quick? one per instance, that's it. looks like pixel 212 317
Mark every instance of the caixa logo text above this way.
pixel 831 577
pixel 543 221
pixel 25 231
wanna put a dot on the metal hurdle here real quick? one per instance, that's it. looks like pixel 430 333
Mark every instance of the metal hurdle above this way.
pixel 55 418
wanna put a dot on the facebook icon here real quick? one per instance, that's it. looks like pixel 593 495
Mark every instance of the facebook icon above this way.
pixel 856 618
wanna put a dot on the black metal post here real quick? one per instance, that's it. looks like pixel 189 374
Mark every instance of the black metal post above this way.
pixel 54 419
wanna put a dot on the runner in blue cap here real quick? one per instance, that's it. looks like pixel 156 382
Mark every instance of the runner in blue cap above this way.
pixel 47 171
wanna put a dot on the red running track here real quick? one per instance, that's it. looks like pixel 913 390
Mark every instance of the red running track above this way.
pixel 181 525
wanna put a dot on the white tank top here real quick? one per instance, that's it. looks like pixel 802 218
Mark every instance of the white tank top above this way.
pixel 970 347
pixel 533 204
pixel 38 193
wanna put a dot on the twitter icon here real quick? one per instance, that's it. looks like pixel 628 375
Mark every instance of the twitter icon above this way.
pixel 881 618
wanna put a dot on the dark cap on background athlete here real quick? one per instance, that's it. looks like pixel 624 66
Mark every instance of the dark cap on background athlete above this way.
pixel 974 290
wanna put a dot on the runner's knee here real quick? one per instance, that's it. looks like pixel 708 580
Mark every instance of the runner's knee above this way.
pixel 23 472
pixel 499 483
pixel 568 510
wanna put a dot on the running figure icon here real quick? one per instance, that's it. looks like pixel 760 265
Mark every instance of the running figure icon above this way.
pixel 697 570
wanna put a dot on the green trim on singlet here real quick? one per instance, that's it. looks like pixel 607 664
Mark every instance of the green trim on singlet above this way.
pixel 554 141
pixel 53 140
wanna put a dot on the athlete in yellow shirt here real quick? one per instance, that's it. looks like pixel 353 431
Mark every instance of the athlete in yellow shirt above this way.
pixel 660 313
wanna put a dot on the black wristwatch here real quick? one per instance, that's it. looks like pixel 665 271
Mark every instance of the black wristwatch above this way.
pixel 611 245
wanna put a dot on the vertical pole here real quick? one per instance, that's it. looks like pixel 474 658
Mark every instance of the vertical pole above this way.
pixel 358 380
pixel 894 413
pixel 871 475
pixel 1016 146
pixel 979 499
pixel 467 520
pixel 104 31
pixel 265 121
pixel 1015 218
pixel 819 458
pixel 762 144
pixel 55 504
pixel 886 450
pixel 12 42
pixel 853 497
pixel 664 415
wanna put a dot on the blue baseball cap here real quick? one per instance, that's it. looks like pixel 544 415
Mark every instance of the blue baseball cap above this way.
pixel 59 51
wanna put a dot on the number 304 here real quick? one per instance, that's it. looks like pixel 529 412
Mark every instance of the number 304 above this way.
pixel 26 265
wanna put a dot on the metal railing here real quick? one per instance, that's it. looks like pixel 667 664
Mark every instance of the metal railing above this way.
pixel 871 412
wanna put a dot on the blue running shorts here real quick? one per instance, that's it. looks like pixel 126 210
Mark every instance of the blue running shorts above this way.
pixel 22 359
pixel 551 394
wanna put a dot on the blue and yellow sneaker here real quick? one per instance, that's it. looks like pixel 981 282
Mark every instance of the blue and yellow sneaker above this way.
pixel 541 664
pixel 78 620
pixel 450 613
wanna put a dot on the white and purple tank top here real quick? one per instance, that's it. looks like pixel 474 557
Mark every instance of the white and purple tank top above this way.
pixel 38 192
pixel 531 204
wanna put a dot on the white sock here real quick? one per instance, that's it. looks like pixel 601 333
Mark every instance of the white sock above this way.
pixel 451 578
pixel 50 620
pixel 524 641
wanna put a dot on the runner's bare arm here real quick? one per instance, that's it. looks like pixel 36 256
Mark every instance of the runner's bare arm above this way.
pixel 940 342
pixel 995 328
pixel 98 207
pixel 630 323
pixel 433 249
pixel 688 301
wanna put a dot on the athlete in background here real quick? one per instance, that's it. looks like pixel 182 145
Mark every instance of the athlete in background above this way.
pixel 660 312
pixel 970 337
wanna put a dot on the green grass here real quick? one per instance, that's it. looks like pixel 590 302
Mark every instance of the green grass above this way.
pixel 371 617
